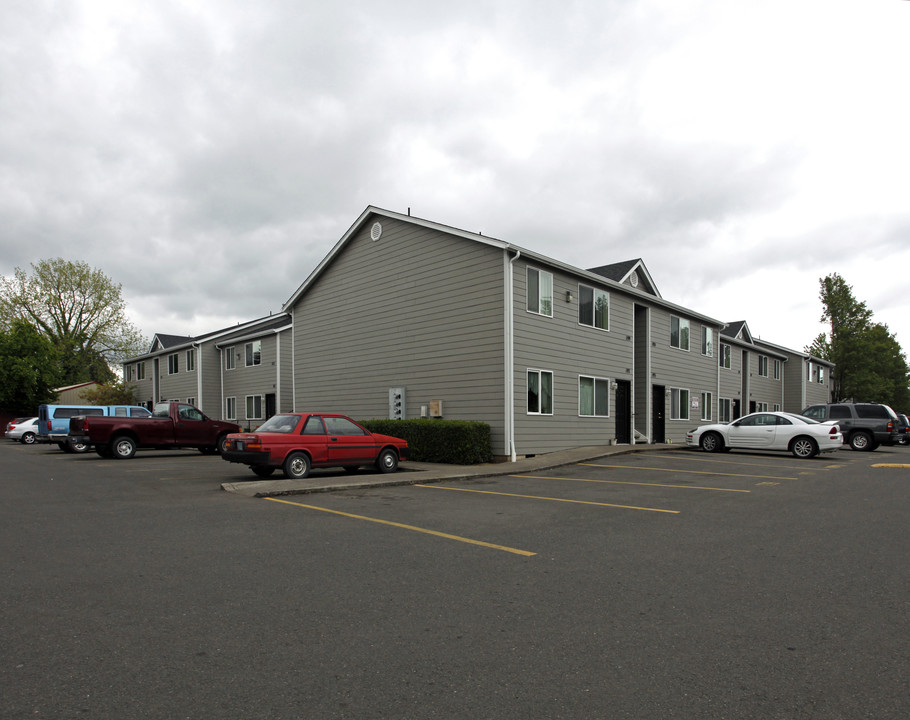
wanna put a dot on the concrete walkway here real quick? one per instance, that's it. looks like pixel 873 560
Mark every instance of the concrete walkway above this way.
pixel 412 473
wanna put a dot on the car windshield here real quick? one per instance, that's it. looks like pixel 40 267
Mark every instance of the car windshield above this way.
pixel 279 424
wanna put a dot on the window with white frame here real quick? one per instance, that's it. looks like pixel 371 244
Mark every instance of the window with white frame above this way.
pixel 593 396
pixel 230 408
pixel 128 373
pixel 821 374
pixel 761 407
pixel 776 407
pixel 254 407
pixel 763 365
pixel 254 353
pixel 707 341
pixel 140 370
pixel 679 404
pixel 540 392
pixel 707 402
pixel 593 307
pixel 777 369
pixel 540 292
pixel 809 371
pixel 724 410
pixel 679 333
pixel 725 356
pixel 191 359
pixel 172 364
pixel 191 401
pixel 229 362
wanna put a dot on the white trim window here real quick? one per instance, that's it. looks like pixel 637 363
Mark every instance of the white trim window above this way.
pixel 229 360
pixel 593 396
pixel 593 307
pixel 777 369
pixel 761 407
pixel 821 375
pixel 726 356
pixel 679 404
pixel 254 407
pixel 679 333
pixel 140 370
pixel 230 408
pixel 254 353
pixel 191 359
pixel 707 400
pixel 707 341
pixel 724 410
pixel 540 392
pixel 191 401
pixel 173 364
pixel 776 407
pixel 540 292
pixel 763 365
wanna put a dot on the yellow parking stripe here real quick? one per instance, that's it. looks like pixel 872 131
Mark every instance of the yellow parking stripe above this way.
pixel 408 527
pixel 553 499
pixel 692 472
pixel 891 465
pixel 628 482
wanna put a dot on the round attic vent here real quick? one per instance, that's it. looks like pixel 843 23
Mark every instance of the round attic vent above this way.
pixel 633 279
pixel 376 231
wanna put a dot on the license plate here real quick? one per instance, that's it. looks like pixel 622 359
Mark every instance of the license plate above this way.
pixel 239 444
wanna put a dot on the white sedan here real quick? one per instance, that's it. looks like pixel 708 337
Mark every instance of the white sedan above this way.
pixel 804 437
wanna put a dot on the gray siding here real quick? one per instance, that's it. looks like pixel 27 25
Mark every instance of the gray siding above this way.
pixel 243 381
pixel 417 309
pixel 560 345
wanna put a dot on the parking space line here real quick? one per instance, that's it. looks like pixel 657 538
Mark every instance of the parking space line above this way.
pixel 552 499
pixel 715 461
pixel 447 536
pixel 692 472
pixel 891 465
pixel 629 482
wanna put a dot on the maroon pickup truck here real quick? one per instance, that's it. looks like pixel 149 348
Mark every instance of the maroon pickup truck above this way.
pixel 171 425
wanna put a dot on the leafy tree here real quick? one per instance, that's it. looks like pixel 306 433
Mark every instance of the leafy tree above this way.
pixel 869 364
pixel 115 393
pixel 29 368
pixel 80 310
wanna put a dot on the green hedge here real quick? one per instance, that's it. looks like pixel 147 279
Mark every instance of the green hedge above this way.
pixel 440 441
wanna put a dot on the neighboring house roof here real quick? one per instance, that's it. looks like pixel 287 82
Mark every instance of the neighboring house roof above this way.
pixel 796 353
pixel 739 330
pixel 76 386
pixel 374 213
pixel 163 342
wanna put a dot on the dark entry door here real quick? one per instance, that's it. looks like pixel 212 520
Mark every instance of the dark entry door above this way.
pixel 623 412
pixel 737 412
pixel 658 403
pixel 269 405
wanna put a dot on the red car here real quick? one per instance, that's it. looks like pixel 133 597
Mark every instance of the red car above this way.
pixel 296 442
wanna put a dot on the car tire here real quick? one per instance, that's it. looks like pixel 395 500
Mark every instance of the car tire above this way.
pixel 804 447
pixel 262 471
pixel 387 462
pixel 711 442
pixel 28 438
pixel 861 441
pixel 77 447
pixel 296 466
pixel 123 447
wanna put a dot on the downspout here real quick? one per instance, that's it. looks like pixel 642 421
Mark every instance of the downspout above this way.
pixel 278 373
pixel 197 351
pixel 223 411
pixel 510 359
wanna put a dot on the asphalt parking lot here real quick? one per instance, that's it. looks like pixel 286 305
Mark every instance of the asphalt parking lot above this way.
pixel 669 584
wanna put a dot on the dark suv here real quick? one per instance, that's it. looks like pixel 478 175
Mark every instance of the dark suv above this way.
pixel 865 426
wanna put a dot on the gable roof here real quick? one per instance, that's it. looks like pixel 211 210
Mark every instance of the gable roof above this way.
pixel 738 330
pixel 629 272
pixel 264 325
pixel 373 213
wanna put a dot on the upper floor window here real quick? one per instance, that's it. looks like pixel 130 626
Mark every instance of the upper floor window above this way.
pixel 763 365
pixel 172 364
pixel 229 361
pixel 707 341
pixel 821 374
pixel 128 373
pixel 777 369
pixel 140 370
pixel 593 307
pixel 254 353
pixel 679 333
pixel 191 360
pixel 540 292
pixel 725 356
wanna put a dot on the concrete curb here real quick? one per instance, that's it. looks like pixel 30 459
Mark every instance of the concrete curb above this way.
pixel 413 473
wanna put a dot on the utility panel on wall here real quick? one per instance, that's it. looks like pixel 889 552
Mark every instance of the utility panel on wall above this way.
pixel 396 404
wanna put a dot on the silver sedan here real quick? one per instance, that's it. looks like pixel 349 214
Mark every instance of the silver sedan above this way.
pixel 803 437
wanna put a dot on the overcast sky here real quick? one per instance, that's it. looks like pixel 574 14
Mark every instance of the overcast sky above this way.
pixel 207 154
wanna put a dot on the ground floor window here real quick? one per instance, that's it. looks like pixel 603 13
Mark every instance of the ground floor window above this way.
pixel 540 392
pixel 230 408
pixel 593 396
pixel 707 400
pixel 191 401
pixel 724 410
pixel 679 404
pixel 761 407
pixel 254 407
